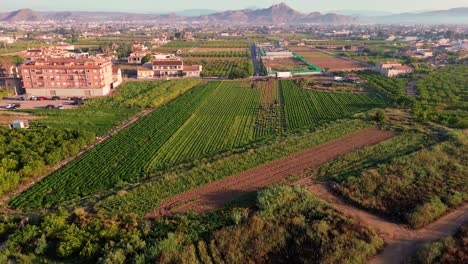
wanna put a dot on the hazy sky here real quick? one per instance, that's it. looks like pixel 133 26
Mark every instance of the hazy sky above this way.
pixel 160 6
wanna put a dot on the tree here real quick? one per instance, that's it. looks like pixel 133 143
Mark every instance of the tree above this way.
pixel 380 116
pixel 146 59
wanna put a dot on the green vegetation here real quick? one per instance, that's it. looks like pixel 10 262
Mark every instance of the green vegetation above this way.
pixel 392 89
pixel 450 250
pixel 209 120
pixel 307 108
pixel 207 44
pixel 100 115
pixel 417 187
pixel 26 154
pixel 218 54
pixel 288 220
pixel 233 69
pixel 135 146
pixel 443 97
pixel 278 224
pixel 145 198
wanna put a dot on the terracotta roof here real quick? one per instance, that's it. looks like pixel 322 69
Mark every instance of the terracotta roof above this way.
pixel 168 63
pixel 143 69
pixel 192 68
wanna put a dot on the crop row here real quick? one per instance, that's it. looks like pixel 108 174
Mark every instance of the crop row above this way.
pixel 119 159
pixel 308 108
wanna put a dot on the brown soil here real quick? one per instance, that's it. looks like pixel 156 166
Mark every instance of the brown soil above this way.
pixel 216 194
pixel 401 241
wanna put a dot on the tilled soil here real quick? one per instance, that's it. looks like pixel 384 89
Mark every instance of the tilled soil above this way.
pixel 401 241
pixel 216 194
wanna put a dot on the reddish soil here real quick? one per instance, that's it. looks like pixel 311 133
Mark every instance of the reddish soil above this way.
pixel 216 194
pixel 401 241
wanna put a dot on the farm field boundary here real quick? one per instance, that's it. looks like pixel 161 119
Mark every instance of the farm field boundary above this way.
pixel 216 194
pixel 401 241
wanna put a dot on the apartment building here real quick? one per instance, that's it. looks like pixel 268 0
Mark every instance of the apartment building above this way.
pixel 68 77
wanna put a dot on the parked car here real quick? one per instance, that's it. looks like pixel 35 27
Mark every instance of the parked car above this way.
pixel 50 107
pixel 33 98
pixel 54 98
pixel 60 107
pixel 16 105
pixel 9 106
pixel 41 98
pixel 21 98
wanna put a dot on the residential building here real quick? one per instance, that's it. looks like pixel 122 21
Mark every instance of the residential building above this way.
pixel 136 57
pixel 393 69
pixel 168 68
pixel 68 77
pixel 423 53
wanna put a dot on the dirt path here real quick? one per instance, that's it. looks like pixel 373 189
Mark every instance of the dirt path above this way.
pixel 401 241
pixel 6 197
pixel 216 194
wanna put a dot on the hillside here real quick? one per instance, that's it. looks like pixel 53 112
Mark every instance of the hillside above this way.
pixel 20 15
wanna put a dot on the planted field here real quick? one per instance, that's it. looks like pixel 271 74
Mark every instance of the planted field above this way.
pixel 393 89
pixel 217 193
pixel 102 166
pixel 210 119
pixel 224 121
pixel 219 54
pixel 233 69
pixel 308 108
pixel 147 196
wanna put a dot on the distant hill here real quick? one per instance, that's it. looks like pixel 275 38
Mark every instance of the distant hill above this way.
pixel 20 15
pixel 450 16
pixel 273 15
pixel 276 14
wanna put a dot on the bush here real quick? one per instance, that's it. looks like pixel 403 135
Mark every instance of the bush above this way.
pixel 426 213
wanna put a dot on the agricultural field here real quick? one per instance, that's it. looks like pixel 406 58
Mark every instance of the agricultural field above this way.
pixel 208 120
pixel 392 89
pixel 284 65
pixel 307 108
pixel 216 67
pixel 415 177
pixel 328 61
pixel 443 96
pixel 205 46
pixel 99 115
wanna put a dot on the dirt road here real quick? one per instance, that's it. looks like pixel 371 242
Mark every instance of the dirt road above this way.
pixel 401 241
pixel 216 194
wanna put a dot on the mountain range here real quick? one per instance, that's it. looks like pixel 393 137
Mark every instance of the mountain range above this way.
pixel 274 15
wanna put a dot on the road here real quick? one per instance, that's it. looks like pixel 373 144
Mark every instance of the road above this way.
pixel 401 241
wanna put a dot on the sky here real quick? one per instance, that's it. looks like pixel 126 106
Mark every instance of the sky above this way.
pixel 164 6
